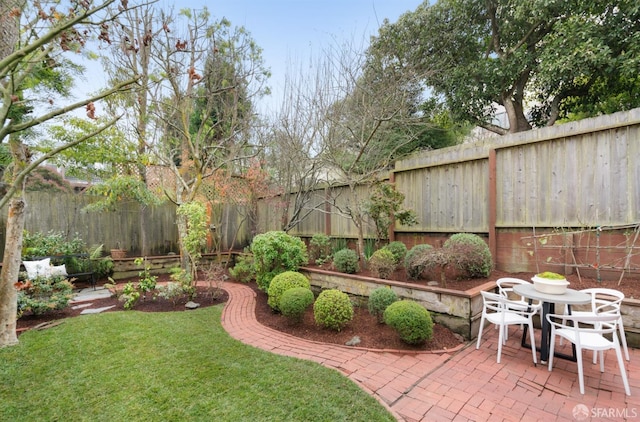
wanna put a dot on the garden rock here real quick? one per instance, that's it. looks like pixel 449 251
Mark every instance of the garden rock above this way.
pixel 354 341
pixel 191 305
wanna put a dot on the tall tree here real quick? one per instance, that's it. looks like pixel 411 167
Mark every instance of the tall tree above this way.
pixel 36 75
pixel 532 59
pixel 132 52
pixel 292 146
pixel 213 72
pixel 361 115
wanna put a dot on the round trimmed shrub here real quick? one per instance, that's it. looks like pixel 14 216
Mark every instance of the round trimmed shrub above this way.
pixel 346 261
pixel 294 302
pixel 399 251
pixel 333 309
pixel 417 249
pixel 415 262
pixel 382 263
pixel 283 282
pixel 379 300
pixel 275 252
pixel 470 254
pixel 410 320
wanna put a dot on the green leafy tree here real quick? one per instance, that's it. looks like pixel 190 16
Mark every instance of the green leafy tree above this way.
pixel 36 77
pixel 117 189
pixel 534 59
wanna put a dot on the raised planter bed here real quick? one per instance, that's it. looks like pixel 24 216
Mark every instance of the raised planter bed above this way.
pixel 459 311
pixel 126 267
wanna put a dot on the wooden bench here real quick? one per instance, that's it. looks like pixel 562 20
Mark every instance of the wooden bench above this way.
pixel 62 259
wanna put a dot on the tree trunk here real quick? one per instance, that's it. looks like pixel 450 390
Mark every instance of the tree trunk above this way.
pixel 185 261
pixel 10 269
pixel 363 259
pixel 9 26
pixel 515 112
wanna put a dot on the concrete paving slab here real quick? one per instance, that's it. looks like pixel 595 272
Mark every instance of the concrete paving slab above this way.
pixel 96 310
pixel 88 294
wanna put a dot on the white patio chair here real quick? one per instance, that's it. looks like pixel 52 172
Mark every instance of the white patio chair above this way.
pixel 498 310
pixel 588 332
pixel 505 288
pixel 605 301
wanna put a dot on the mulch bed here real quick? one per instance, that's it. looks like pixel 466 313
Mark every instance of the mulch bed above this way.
pixel 371 333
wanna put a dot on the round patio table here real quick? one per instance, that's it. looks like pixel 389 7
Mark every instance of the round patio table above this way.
pixel 570 297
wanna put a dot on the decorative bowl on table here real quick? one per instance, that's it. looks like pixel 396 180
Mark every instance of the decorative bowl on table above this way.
pixel 550 283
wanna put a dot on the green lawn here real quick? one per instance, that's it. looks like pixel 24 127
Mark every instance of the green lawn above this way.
pixel 178 366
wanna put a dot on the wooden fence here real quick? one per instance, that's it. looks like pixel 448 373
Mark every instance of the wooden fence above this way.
pixel 123 228
pixel 565 196
pixel 562 198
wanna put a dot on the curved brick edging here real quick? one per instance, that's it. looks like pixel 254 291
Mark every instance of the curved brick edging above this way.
pixel 385 374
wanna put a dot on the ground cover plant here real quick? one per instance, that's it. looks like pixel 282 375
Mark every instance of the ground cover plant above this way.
pixel 166 366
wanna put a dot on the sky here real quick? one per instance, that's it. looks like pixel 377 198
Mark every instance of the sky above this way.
pixel 290 31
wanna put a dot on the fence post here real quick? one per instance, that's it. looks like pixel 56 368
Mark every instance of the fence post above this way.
pixel 492 204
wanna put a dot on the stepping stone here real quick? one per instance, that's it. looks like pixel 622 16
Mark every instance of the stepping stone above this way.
pixel 90 294
pixel 84 305
pixel 96 310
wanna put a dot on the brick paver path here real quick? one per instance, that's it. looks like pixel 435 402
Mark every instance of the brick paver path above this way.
pixel 461 385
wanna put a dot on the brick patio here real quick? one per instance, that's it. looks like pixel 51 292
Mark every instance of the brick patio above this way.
pixel 459 385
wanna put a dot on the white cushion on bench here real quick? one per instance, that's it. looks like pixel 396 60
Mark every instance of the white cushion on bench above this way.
pixel 38 268
pixel 58 270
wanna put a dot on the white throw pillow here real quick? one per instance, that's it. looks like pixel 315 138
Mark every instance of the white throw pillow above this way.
pixel 58 270
pixel 37 268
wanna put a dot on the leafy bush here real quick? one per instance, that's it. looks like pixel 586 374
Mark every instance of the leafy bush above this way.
pixel 346 261
pixel 333 309
pixel 294 302
pixel 103 267
pixel 185 280
pixel 424 260
pixel 379 300
pixel 319 248
pixel 147 281
pixel 410 320
pixel 416 250
pixel 283 282
pixel 171 291
pixel 382 263
pixel 43 294
pixel 414 261
pixel 470 254
pixel 399 251
pixel 51 243
pixel 275 252
pixel 244 270
pixel 55 243
pixel 130 296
